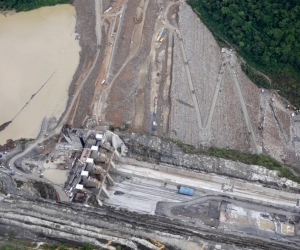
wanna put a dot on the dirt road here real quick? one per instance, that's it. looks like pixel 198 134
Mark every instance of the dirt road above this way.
pixel 245 110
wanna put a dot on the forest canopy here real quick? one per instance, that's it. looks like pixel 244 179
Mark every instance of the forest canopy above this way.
pixel 26 5
pixel 266 33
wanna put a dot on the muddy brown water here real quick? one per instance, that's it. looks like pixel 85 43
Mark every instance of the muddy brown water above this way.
pixel 34 46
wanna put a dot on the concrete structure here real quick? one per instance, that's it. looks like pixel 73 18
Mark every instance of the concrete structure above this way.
pixel 85 173
pixel 81 188
pixel 90 182
pixel 90 162
pixel 99 137
pixel 71 137
pixel 90 173
pixel 94 151
pixel 115 142
pixel 95 169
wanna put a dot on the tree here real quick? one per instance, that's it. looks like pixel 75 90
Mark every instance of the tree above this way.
pixel 267 34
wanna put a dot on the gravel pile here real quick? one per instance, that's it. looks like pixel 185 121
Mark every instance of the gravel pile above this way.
pixel 203 55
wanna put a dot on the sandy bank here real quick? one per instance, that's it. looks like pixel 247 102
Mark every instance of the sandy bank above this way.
pixel 34 47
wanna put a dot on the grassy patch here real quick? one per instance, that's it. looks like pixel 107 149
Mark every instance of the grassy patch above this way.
pixel 123 127
pixel 247 158
pixel 19 183
pixel 24 141
pixel 45 190
pixel 258 79
pixel 11 243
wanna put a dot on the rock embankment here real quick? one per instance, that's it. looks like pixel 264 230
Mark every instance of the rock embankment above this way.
pixel 46 220
pixel 34 218
pixel 155 149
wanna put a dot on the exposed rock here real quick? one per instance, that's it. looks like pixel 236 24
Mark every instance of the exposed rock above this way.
pixel 40 219
pixel 155 149
pixel 28 188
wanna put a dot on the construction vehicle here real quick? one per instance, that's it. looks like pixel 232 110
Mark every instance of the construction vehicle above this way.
pixel 158 244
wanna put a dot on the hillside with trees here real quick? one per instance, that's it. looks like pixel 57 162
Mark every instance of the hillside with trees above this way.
pixel 266 33
pixel 26 5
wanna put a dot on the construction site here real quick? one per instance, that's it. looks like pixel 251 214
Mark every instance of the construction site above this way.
pixel 90 170
pixel 151 74
pixel 123 178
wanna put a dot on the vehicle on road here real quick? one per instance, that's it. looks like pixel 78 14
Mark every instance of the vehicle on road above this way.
pixel 185 190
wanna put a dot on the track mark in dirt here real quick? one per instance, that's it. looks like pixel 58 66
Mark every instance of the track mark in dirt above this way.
pixel 184 103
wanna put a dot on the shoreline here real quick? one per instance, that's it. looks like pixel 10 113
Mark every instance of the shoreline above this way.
pixel 55 89
pixel 85 29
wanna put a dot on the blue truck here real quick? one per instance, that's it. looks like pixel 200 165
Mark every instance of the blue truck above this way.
pixel 185 190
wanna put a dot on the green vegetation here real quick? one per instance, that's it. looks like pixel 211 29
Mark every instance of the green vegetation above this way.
pixel 87 247
pixel 19 183
pixel 12 243
pixel 266 33
pixel 123 127
pixel 24 141
pixel 45 190
pixel 10 248
pixel 61 246
pixel 247 158
pixel 26 5
pixel 259 80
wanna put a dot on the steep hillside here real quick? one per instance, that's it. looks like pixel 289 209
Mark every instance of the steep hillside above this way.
pixel 230 111
pixel 266 33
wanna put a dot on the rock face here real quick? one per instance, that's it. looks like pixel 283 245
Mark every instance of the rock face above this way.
pixel 40 220
pixel 153 148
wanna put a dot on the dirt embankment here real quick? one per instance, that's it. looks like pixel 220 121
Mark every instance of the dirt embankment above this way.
pixel 88 89
pixel 120 104
pixel 85 27
pixel 123 45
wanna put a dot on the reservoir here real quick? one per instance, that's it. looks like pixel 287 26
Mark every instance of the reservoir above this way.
pixel 39 56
